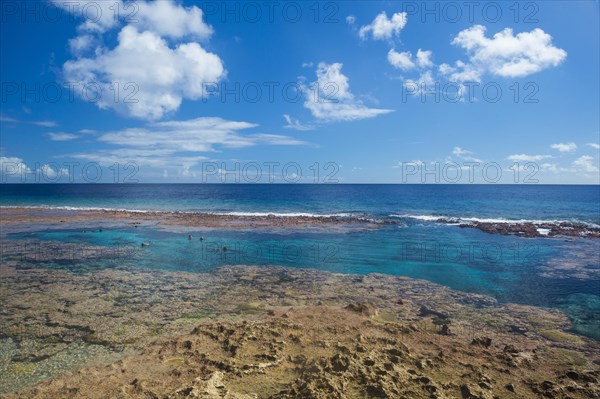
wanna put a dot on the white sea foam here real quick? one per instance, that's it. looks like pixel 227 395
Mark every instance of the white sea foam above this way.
pixel 283 214
pixel 241 214
pixel 467 220
pixel 75 208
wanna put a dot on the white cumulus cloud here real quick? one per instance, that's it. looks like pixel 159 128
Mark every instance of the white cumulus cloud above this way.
pixel 585 164
pixel 166 18
pixel 465 155
pixel 509 55
pixel 383 27
pixel 565 147
pixel 401 60
pixel 156 63
pixel 329 97
pixel 424 58
pixel 13 166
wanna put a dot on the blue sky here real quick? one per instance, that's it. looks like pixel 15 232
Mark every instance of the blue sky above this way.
pixel 189 89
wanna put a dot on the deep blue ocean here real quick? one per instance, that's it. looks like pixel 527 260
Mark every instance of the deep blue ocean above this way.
pixel 509 268
pixel 537 202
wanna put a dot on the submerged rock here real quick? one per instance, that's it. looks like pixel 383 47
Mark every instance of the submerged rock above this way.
pixel 482 341
pixel 362 308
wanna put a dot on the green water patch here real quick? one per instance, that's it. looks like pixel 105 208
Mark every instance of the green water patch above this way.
pixel 88 236
pixel 16 375
pixel 584 312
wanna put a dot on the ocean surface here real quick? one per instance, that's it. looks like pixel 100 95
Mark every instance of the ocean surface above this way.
pixel 530 202
pixel 552 272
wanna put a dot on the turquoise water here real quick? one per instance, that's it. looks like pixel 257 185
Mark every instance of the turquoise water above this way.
pixel 505 267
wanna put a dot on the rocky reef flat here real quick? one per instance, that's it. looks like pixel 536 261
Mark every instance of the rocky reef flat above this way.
pixel 529 229
pixel 12 215
pixel 272 332
pixel 542 229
